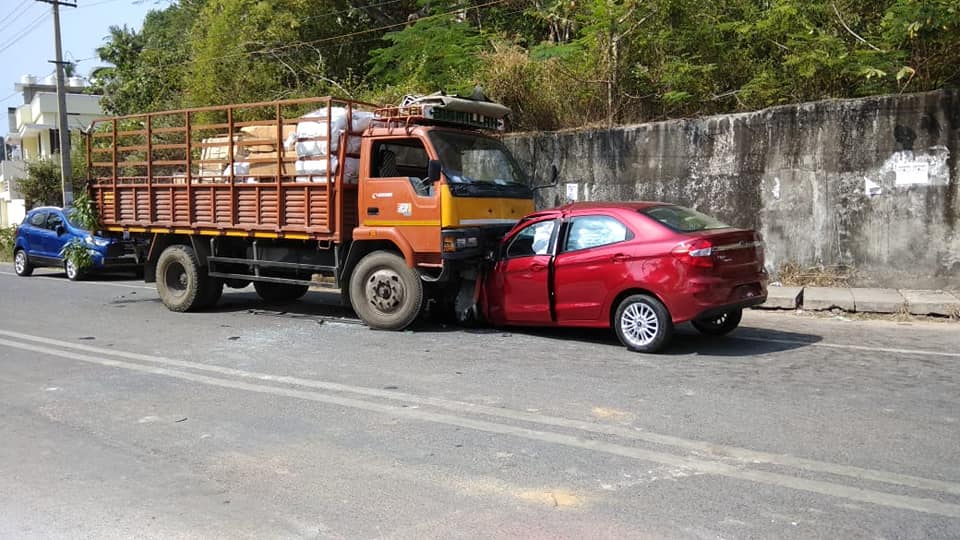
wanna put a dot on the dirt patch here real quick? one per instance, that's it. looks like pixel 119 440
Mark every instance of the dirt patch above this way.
pixel 794 275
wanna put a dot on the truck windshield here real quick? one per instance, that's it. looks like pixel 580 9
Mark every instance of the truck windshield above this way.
pixel 478 166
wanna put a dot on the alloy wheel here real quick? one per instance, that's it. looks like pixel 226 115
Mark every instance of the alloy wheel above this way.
pixel 640 324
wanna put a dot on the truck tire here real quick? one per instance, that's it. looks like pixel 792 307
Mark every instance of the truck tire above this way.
pixel 385 292
pixel 279 292
pixel 181 281
pixel 212 291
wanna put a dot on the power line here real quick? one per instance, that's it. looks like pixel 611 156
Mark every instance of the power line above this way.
pixel 16 13
pixel 23 33
pixel 342 36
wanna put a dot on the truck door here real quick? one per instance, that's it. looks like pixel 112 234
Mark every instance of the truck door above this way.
pixel 522 277
pixel 397 194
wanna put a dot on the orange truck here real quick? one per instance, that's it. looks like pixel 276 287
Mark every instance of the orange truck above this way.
pixel 394 207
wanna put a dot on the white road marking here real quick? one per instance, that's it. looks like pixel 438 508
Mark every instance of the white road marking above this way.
pixel 918 352
pixel 707 467
pixel 710 449
pixel 72 283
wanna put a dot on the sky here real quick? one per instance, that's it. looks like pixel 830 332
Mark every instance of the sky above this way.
pixel 26 36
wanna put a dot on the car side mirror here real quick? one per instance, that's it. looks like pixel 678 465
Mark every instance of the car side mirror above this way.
pixel 433 170
pixel 60 230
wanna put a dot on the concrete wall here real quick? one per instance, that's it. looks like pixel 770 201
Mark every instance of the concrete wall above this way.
pixel 870 184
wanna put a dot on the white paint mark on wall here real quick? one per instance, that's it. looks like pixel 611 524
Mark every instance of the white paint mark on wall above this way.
pixel 871 188
pixel 910 173
pixel 776 187
pixel 911 169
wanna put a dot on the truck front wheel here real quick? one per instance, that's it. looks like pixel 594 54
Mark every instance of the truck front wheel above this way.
pixel 181 281
pixel 385 292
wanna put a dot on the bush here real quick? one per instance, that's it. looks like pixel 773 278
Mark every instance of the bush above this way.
pixel 542 93
pixel 7 236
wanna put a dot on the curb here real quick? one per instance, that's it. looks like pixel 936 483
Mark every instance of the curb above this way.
pixel 864 300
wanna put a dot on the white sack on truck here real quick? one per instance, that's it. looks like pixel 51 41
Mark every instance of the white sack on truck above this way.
pixel 310 138
pixel 318 167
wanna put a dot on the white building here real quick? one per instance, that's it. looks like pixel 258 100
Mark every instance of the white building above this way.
pixel 33 133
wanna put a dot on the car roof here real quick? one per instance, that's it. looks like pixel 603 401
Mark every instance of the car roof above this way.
pixel 46 208
pixel 633 206
pixel 586 207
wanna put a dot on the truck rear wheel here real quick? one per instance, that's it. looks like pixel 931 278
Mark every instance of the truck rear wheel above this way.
pixel 213 290
pixel 385 292
pixel 279 292
pixel 181 281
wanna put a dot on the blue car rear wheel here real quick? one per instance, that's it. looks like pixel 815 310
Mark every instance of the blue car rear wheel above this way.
pixel 21 263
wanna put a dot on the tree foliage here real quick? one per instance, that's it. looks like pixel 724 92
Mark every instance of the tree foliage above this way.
pixel 557 63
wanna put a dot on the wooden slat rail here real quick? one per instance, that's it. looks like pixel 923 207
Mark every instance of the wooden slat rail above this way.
pixel 158 178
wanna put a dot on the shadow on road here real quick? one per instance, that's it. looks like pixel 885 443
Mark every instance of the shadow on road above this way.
pixel 745 341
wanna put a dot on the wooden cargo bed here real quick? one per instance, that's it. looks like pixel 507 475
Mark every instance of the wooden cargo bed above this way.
pixel 217 170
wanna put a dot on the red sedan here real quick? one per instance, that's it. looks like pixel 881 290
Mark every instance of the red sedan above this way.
pixel 640 267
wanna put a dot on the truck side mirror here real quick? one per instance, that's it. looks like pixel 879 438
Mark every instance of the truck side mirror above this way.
pixel 433 170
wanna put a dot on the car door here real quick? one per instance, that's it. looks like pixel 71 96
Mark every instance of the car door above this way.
pixel 591 264
pixel 33 231
pixel 56 235
pixel 522 276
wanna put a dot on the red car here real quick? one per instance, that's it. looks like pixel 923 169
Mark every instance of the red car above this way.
pixel 640 267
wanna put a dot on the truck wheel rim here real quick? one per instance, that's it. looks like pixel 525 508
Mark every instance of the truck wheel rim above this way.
pixel 639 324
pixel 176 279
pixel 385 290
pixel 20 261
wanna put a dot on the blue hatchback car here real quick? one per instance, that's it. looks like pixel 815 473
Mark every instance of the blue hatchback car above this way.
pixel 45 231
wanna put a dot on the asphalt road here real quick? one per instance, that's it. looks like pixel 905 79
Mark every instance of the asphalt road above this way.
pixel 120 419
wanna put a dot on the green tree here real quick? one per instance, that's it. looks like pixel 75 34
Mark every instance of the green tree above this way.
pixel 437 53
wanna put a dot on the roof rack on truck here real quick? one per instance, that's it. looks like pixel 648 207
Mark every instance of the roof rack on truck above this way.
pixel 446 110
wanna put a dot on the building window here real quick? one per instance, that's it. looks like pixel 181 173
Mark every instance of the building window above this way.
pixel 54 141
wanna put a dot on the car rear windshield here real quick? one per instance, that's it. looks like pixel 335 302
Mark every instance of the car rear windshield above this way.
pixel 683 219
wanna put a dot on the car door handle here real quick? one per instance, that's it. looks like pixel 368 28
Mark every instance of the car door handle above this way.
pixel 536 267
pixel 619 257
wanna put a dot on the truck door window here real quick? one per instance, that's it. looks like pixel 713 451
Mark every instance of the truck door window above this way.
pixel 397 158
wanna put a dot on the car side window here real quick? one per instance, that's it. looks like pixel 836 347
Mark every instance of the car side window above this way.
pixel 54 220
pixel 592 231
pixel 533 240
pixel 38 220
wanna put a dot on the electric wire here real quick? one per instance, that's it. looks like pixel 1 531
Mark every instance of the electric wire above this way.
pixel 16 14
pixel 23 33
pixel 299 44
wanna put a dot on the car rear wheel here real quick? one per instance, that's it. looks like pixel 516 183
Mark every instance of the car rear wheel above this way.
pixel 720 325
pixel 279 292
pixel 643 323
pixel 21 263
pixel 73 273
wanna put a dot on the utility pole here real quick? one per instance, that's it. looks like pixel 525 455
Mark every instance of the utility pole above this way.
pixel 63 128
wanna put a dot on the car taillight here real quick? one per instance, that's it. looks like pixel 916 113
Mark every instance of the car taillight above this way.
pixel 695 253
